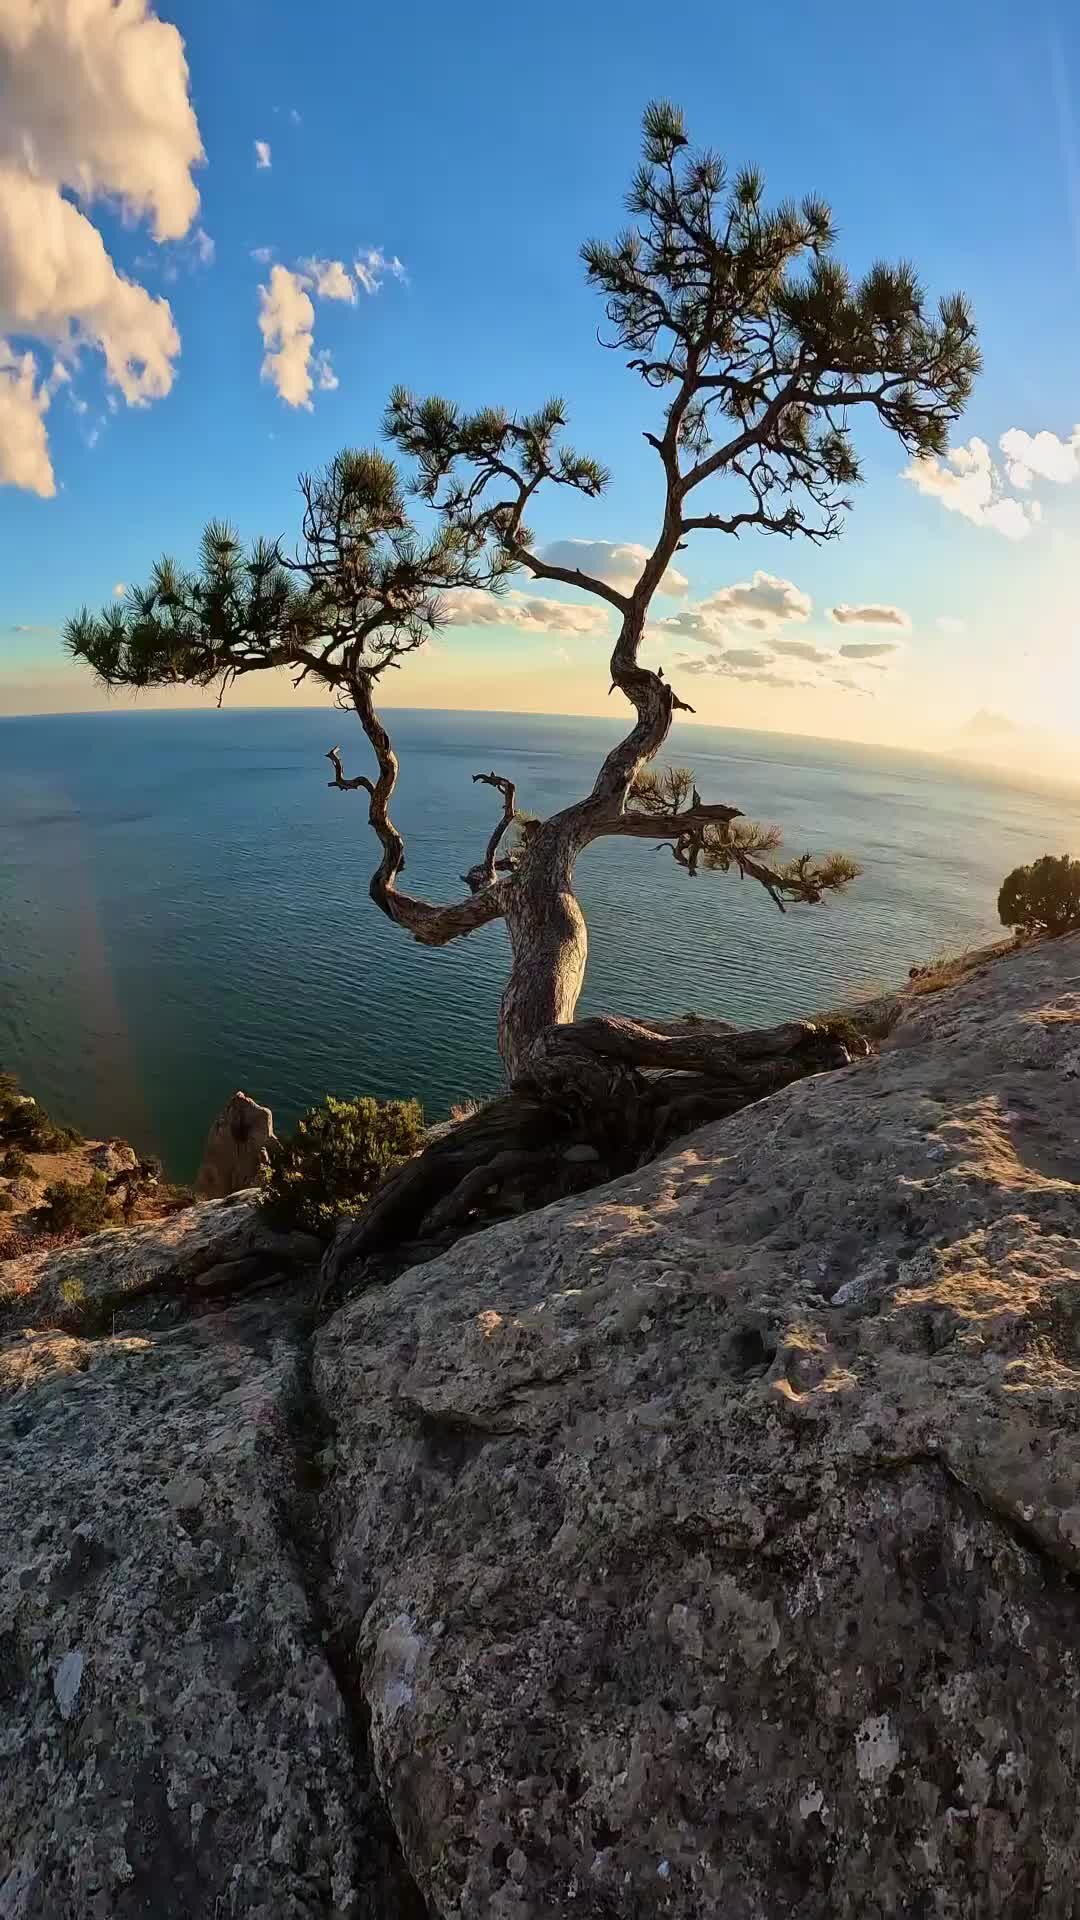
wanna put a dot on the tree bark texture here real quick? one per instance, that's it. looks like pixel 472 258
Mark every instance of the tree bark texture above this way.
pixel 595 1100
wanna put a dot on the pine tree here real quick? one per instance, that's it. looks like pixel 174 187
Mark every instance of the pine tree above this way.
pixel 765 351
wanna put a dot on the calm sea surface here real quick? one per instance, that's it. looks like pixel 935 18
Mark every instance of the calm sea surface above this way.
pixel 184 910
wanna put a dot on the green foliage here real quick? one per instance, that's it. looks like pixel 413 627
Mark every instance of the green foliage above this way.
pixel 361 591
pixel 1042 898
pixel 662 793
pixel 15 1165
pixel 746 309
pixel 70 1208
pixel 328 1168
pixel 24 1125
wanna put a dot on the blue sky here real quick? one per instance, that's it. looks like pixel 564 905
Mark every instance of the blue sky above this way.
pixel 477 147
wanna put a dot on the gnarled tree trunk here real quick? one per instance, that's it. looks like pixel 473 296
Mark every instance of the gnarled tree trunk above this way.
pixel 549 946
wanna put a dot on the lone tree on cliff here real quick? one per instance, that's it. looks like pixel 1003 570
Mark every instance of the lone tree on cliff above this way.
pixel 765 349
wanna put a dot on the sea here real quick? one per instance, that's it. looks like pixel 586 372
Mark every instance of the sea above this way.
pixel 184 905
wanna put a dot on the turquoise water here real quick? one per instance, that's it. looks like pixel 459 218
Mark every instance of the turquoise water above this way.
pixel 184 909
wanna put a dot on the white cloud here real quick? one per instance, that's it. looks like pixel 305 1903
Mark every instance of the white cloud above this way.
pixel 950 623
pixel 295 117
pixel 761 603
pixel 619 565
pixel 57 283
pixel 967 482
pixel 744 657
pixel 24 443
pixel 94 96
pixel 93 104
pixel 530 613
pixel 722 667
pixel 287 320
pixel 264 158
pixel 868 649
pixel 287 325
pixel 372 265
pixel 329 279
pixel 1029 455
pixel 204 247
pixel 870 616
pixel 263 255
pixel 800 650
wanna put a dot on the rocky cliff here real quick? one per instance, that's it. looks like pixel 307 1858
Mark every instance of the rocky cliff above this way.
pixel 704 1545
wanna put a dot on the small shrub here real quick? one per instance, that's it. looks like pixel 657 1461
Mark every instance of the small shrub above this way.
pixel 25 1125
pixel 335 1159
pixel 1042 898
pixel 7 1204
pixel 69 1208
pixel 15 1165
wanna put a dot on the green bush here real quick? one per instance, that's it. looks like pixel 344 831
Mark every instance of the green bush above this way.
pixel 70 1208
pixel 336 1158
pixel 25 1124
pixel 15 1165
pixel 1042 898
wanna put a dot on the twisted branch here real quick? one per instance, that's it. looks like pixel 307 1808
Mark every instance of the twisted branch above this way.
pixel 432 926
pixel 483 874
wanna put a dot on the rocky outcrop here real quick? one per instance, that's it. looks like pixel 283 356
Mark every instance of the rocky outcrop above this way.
pixel 236 1149
pixel 179 1735
pixel 704 1545
pixel 113 1157
pixel 710 1543
pixel 223 1247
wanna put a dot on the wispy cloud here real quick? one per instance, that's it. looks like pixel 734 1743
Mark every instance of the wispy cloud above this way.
pixel 869 616
pixel 748 628
pixel 868 649
pixel 372 265
pixel 287 321
pixel 529 613
pixel 264 158
pixel 330 279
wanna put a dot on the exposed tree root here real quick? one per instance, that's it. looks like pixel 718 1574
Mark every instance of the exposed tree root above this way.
pixel 598 1099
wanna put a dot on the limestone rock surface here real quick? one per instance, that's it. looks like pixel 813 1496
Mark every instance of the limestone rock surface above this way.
pixel 707 1545
pixel 236 1148
pixel 83 1284
pixel 710 1542
pixel 178 1732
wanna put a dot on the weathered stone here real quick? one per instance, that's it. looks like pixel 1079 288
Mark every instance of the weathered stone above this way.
pixel 704 1546
pixel 679 1590
pixel 236 1149
pixel 174 1740
pixel 81 1285
pixel 113 1157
